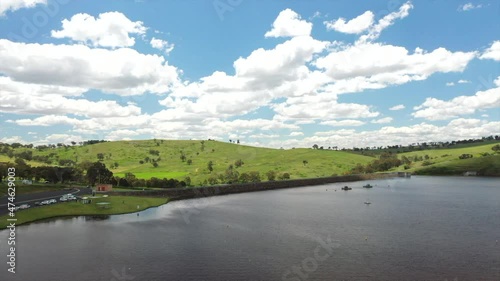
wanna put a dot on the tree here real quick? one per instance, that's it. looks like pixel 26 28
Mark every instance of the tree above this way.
pixel 237 141
pixel 187 180
pixel 271 175
pixel 189 162
pixel 496 148
pixel 98 172
pixel 315 146
pixel 254 176
pixel 305 162
pixel 155 164
pixel 100 156
pixel 210 166
pixel 244 178
pixel 284 176
pixel 238 163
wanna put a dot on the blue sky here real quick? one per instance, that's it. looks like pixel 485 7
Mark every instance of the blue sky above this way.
pixel 270 73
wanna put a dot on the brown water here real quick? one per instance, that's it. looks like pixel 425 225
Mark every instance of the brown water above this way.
pixel 423 228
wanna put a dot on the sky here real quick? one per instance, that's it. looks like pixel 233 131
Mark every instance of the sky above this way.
pixel 268 73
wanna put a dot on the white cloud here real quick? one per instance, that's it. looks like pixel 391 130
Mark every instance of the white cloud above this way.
pixel 383 120
pixel 353 26
pixel 112 29
pixel 121 135
pixel 122 71
pixel 322 106
pixel 397 107
pixel 296 134
pixel 259 78
pixel 493 52
pixel 13 5
pixel 289 24
pixel 375 30
pixel 162 45
pixel 435 109
pixel 469 6
pixel 450 84
pixel 343 123
pixel 462 81
pixel 13 139
pixel 418 133
pixel 388 64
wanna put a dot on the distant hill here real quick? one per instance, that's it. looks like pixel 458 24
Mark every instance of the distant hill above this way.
pixel 167 153
pixel 179 159
pixel 448 162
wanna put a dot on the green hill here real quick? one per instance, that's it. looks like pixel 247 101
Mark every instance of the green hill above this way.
pixel 446 161
pixel 128 154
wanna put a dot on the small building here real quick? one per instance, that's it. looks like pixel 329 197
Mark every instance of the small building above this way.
pixel 104 187
pixel 470 173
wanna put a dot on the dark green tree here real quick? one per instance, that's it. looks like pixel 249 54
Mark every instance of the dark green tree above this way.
pixel 99 173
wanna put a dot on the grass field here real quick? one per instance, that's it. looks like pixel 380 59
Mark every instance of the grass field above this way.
pixel 119 205
pixel 128 154
pixel 489 166
pixel 449 157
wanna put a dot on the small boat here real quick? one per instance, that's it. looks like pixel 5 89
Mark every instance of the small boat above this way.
pixel 367 203
pixel 368 186
pixel 346 188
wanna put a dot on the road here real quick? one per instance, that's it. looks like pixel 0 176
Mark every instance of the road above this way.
pixel 31 198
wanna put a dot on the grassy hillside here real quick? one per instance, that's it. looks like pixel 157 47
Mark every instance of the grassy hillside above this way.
pixel 446 161
pixel 128 154
pixel 489 166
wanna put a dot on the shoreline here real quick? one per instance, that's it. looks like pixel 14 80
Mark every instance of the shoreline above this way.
pixel 216 190
pixel 177 194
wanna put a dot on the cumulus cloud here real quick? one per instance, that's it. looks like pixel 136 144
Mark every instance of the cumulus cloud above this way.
pixel 405 135
pixel 435 109
pixel 353 26
pixel 493 52
pixel 289 24
pixel 397 107
pixel 13 5
pixel 24 98
pixel 122 71
pixel 112 29
pixel 321 107
pixel 388 64
pixel 162 45
pixel 296 134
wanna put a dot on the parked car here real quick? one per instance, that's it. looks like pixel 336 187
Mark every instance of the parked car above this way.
pixel 63 199
pixel 44 202
pixel 38 203
pixel 24 206
pixel 53 201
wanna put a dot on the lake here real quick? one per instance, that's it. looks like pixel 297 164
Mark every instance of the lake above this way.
pixel 423 228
